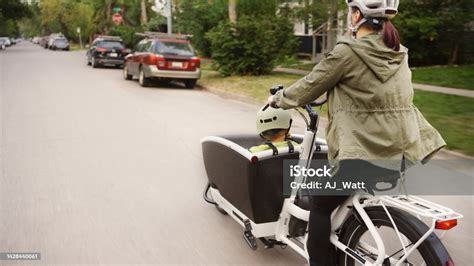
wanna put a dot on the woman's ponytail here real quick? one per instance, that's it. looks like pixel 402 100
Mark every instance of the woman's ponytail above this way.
pixel 391 38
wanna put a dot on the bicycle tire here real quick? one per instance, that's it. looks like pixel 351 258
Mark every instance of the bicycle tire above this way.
pixel 431 250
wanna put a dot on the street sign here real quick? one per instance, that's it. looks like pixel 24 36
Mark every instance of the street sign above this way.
pixel 162 7
pixel 78 30
pixel 117 18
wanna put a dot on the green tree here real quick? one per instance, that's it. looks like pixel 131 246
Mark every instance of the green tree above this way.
pixel 79 15
pixel 251 46
pixel 197 17
pixel 434 30
pixel 10 12
pixel 13 9
pixel 53 14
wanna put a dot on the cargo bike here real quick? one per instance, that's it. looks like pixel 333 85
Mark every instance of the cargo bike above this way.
pixel 366 229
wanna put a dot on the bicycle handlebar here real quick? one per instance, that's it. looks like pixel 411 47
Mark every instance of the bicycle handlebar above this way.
pixel 275 89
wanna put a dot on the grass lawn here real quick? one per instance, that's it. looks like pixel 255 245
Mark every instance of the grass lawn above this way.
pixel 452 116
pixel 300 66
pixel 76 47
pixel 448 76
pixel 256 87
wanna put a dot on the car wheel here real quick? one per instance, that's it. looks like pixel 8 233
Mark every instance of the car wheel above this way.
pixel 190 84
pixel 142 80
pixel 88 61
pixel 126 75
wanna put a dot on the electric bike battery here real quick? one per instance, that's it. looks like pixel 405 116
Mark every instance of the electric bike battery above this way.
pixel 251 182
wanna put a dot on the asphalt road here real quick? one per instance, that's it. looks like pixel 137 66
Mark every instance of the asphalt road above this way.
pixel 97 170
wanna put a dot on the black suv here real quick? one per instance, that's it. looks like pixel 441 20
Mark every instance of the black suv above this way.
pixel 107 50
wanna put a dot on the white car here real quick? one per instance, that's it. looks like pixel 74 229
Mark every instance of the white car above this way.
pixel 53 37
pixel 7 40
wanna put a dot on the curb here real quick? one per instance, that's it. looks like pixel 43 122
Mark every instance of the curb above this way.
pixel 252 101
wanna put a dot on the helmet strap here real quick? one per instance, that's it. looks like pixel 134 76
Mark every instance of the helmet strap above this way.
pixel 354 29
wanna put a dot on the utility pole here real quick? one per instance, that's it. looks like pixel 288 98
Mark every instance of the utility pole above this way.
pixel 80 39
pixel 170 17
pixel 233 11
pixel 164 8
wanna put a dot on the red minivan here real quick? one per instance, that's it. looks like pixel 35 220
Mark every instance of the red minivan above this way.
pixel 163 56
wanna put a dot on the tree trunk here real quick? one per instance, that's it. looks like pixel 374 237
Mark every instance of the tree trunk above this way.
pixel 454 54
pixel 233 11
pixel 143 17
pixel 109 10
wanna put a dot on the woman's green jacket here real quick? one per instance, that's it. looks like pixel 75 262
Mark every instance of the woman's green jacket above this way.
pixel 370 103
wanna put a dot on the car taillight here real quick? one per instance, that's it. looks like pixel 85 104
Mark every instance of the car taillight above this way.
pixel 450 262
pixel 101 50
pixel 161 61
pixel 446 225
pixel 195 62
pixel 150 59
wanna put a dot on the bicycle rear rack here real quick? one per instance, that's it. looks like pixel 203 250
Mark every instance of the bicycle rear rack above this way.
pixel 421 207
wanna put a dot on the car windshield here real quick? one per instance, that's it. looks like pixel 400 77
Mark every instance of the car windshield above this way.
pixel 60 41
pixel 174 48
pixel 111 45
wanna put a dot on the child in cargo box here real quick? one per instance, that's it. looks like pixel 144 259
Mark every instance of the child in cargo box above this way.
pixel 273 125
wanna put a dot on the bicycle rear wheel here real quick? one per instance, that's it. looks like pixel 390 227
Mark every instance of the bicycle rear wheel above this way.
pixel 357 237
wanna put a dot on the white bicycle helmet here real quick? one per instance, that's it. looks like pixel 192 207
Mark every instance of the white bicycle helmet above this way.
pixel 376 10
pixel 269 118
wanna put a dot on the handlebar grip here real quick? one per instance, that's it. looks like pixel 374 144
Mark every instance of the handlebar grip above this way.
pixel 275 89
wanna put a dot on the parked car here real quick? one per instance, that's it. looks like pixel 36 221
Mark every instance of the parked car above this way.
pixel 107 50
pixel 2 44
pixel 51 39
pixel 165 57
pixel 59 43
pixel 44 42
pixel 36 40
pixel 7 40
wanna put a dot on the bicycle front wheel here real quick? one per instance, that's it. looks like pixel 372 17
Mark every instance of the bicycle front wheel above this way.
pixel 356 236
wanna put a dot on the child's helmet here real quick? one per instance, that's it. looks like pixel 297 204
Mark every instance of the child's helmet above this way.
pixel 269 118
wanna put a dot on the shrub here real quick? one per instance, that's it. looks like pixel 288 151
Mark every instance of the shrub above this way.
pixel 252 46
pixel 127 33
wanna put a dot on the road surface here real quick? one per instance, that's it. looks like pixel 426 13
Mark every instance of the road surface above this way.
pixel 97 170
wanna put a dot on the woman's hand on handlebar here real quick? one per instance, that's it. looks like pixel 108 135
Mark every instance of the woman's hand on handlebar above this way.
pixel 273 91
pixel 271 101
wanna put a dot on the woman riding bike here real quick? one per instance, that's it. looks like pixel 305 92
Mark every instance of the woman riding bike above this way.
pixel 370 109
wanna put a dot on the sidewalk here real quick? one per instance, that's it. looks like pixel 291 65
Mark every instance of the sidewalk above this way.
pixel 425 87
